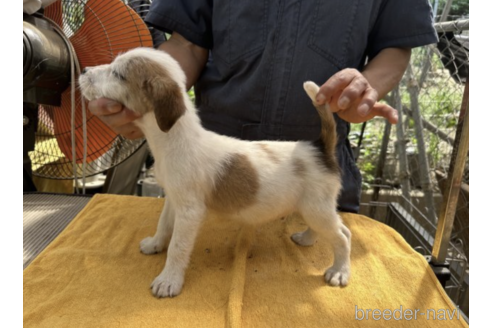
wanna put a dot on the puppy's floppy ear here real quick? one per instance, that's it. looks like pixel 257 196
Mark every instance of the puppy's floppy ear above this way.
pixel 165 97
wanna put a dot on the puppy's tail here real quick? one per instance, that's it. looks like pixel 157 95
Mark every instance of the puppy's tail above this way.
pixel 328 138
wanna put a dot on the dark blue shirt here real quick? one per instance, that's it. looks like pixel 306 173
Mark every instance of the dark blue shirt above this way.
pixel 262 51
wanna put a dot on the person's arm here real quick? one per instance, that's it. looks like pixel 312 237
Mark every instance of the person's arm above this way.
pixel 354 95
pixel 192 59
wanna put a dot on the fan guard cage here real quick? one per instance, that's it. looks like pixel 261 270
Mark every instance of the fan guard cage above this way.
pixel 99 30
pixel 49 162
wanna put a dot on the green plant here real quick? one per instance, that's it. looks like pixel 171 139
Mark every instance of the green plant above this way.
pixel 439 102
pixel 191 94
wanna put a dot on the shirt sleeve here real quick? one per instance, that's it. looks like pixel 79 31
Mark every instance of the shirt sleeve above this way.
pixel 190 18
pixel 402 24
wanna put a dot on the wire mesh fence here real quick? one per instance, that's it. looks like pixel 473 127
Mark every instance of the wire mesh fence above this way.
pixel 409 164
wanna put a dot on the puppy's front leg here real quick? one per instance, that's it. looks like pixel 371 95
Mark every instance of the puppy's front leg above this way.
pixel 153 245
pixel 186 226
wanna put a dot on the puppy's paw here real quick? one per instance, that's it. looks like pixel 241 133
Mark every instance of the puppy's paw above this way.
pixel 337 276
pixel 166 285
pixel 303 239
pixel 151 245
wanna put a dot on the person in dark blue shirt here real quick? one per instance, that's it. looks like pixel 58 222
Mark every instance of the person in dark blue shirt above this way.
pixel 248 59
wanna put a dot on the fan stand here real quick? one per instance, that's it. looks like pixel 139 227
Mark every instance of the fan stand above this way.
pixel 122 179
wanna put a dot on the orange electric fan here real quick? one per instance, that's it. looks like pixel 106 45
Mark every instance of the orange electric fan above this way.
pixel 93 32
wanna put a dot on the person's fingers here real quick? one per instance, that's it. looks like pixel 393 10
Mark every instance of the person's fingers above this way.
pixel 335 83
pixel 349 94
pixel 384 110
pixel 120 118
pixel 129 131
pixel 352 115
pixel 369 99
pixel 104 106
pixel 116 116
pixel 353 92
pixel 333 103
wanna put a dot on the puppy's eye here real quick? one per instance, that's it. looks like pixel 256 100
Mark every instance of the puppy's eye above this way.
pixel 118 76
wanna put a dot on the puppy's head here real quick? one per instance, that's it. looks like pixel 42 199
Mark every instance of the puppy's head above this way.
pixel 143 80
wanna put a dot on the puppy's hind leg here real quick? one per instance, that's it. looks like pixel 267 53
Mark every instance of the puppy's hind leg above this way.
pixel 160 241
pixel 305 238
pixel 323 220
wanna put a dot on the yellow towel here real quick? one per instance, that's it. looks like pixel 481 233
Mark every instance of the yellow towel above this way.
pixel 93 275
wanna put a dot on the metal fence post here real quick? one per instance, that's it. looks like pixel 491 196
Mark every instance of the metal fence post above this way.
pixel 413 89
pixel 450 196
pixel 380 168
pixel 404 174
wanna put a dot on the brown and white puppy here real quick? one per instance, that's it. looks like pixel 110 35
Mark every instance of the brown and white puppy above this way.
pixel 204 173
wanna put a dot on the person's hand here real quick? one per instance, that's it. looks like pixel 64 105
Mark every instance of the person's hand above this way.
pixel 349 94
pixel 117 117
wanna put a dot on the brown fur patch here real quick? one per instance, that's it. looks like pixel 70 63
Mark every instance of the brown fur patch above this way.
pixel 236 187
pixel 163 95
pixel 270 153
pixel 168 105
pixel 328 139
pixel 328 159
pixel 299 167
